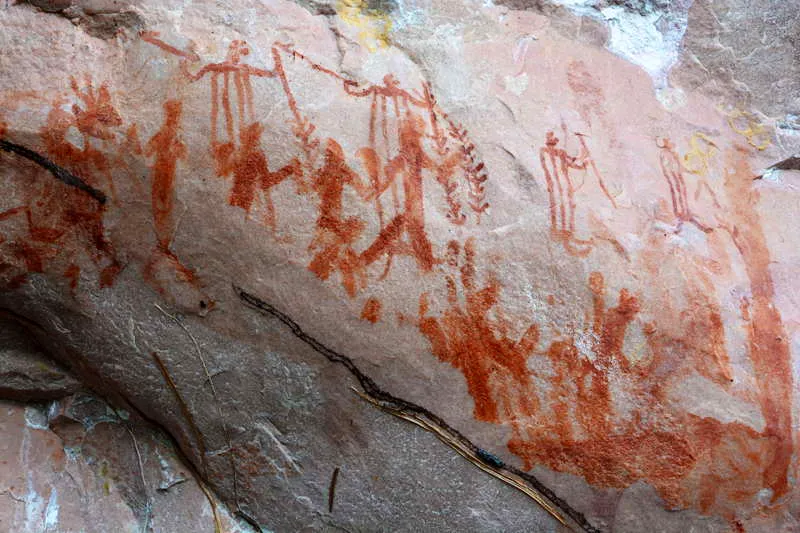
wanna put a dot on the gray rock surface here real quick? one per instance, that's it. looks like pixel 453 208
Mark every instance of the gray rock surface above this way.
pixel 25 372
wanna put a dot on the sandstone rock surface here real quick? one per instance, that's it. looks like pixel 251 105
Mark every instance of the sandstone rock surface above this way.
pixel 297 265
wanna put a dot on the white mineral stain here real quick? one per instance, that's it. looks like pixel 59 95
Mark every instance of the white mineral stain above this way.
pixel 517 84
pixel 406 14
pixel 650 39
pixel 35 418
pixel 716 402
pixel 34 503
pixel 51 512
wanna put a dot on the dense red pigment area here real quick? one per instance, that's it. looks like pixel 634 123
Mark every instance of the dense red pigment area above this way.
pixel 61 222
pixel 372 310
pixel 572 424
pixel 467 338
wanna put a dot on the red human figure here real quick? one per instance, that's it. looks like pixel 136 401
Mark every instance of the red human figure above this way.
pixel 232 71
pixel 410 163
pixel 168 150
pixel 164 267
pixel 244 160
pixel 556 164
pixel 397 135
pixel 238 73
pixel 250 170
pixel 335 235
pixel 672 171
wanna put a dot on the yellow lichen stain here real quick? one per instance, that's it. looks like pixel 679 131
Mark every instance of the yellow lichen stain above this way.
pixel 701 151
pixel 698 160
pixel 374 25
pixel 104 475
pixel 747 125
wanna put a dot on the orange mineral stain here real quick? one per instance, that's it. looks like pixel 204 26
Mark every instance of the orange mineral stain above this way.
pixel 768 341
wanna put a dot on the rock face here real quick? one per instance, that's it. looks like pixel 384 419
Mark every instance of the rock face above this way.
pixel 280 265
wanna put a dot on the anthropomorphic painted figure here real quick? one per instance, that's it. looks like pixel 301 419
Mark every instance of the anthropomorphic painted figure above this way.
pixel 335 235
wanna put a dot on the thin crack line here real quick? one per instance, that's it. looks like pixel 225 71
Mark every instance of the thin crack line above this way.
pixel 217 403
pixel 420 416
pixel 149 504
pixel 482 459
pixel 59 172
pixel 212 503
pixel 187 413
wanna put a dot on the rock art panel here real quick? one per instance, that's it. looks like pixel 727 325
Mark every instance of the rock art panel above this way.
pixel 572 280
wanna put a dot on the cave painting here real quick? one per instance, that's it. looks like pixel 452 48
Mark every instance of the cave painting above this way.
pixel 239 152
pixel 411 140
pixel 572 423
pixel 493 363
pixel 335 235
pixel 561 409
pixel 371 311
pixel 558 167
pixel 64 223
pixel 167 149
pixel 672 171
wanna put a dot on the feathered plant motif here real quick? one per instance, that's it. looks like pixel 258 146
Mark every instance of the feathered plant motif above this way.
pixel 465 157
pixel 474 170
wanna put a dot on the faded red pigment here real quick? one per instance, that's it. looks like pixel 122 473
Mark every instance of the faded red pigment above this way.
pixel 558 167
pixel 672 171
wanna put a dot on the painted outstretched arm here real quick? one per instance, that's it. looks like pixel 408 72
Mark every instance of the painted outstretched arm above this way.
pixel 372 164
pixel 588 160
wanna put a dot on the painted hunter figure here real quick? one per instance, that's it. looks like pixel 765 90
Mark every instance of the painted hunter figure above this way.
pixel 672 170
pixel 558 167
pixel 335 235
pixel 403 126
pixel 409 140
pixel 236 144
